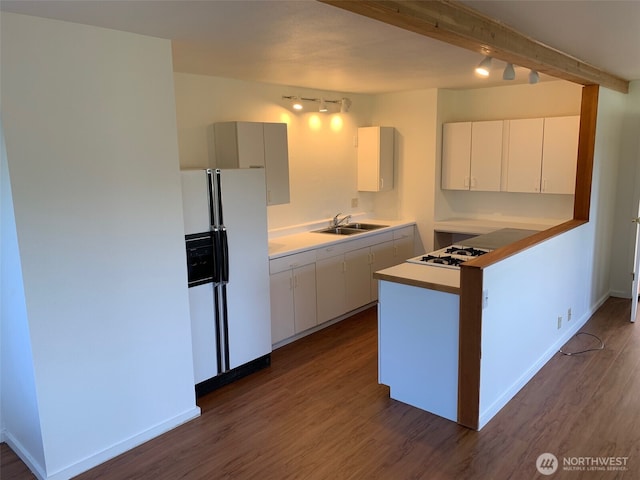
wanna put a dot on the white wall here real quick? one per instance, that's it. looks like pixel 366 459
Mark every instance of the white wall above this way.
pixel 628 153
pixel 413 114
pixel 322 155
pixel 546 99
pixel 91 138
pixel 528 292
pixel 19 417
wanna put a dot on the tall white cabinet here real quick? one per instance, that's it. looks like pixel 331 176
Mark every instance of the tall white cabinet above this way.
pixel 256 145
pixel 375 158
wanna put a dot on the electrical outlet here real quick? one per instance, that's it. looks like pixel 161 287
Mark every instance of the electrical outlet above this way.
pixel 569 315
pixel 354 203
pixel 559 322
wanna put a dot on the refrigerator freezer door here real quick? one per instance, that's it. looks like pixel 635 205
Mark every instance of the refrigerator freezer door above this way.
pixel 248 300
pixel 195 201
pixel 203 332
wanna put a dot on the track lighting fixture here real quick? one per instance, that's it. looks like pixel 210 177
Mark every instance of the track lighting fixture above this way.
pixel 533 77
pixel 484 66
pixel 509 73
pixel 297 103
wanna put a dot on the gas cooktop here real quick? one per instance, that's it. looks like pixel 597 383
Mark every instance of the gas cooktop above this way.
pixel 449 257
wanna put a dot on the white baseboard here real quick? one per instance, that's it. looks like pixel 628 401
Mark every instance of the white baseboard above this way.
pixel 511 392
pixel 37 469
pixel 100 457
pixel 114 451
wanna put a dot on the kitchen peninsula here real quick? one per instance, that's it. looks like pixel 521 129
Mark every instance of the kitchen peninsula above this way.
pixel 418 328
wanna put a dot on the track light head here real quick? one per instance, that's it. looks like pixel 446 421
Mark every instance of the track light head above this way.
pixel 345 105
pixel 509 73
pixel 296 104
pixel 323 106
pixel 533 77
pixel 484 66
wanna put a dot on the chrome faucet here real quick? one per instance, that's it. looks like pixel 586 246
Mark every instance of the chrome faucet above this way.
pixel 337 221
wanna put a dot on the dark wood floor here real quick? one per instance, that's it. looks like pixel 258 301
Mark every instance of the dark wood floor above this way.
pixel 319 413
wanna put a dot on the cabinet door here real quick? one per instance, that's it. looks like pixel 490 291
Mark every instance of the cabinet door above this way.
pixel 250 144
pixel 282 306
pixel 375 158
pixel 560 154
pixel 358 278
pixel 403 246
pixel 486 156
pixel 456 156
pixel 330 283
pixel 304 288
pixel 276 160
pixel 382 256
pixel 524 163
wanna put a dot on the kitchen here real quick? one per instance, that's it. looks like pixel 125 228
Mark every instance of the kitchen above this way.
pixel 330 188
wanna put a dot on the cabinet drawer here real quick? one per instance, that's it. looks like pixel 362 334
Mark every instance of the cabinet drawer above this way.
pixel 332 250
pixel 404 232
pixel 292 261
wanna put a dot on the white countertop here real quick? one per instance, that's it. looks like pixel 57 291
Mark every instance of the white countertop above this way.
pixel 473 226
pixel 283 245
pixel 423 276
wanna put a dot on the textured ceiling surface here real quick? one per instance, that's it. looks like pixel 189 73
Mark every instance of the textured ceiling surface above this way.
pixel 309 44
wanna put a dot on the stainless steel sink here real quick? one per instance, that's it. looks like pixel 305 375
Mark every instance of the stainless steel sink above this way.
pixel 365 226
pixel 341 230
pixel 351 228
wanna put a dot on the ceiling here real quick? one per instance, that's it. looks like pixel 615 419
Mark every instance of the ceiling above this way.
pixel 309 44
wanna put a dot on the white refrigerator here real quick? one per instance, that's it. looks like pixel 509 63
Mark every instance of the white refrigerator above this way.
pixel 225 218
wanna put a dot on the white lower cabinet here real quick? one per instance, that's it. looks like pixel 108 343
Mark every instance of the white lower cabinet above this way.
pixel 319 285
pixel 382 256
pixel 330 284
pixel 388 254
pixel 293 295
pixel 357 278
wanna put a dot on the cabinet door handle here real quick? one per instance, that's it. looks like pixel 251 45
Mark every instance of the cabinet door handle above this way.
pixel 295 281
pixel 290 283
pixel 344 267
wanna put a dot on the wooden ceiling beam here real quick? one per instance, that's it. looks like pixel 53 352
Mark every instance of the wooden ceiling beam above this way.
pixel 457 24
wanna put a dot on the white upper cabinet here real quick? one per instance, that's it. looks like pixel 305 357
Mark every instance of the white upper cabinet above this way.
pixel 472 155
pixel 276 161
pixel 560 154
pixel 456 155
pixel 256 145
pixel 375 158
pixel 524 158
pixel 486 156
pixel 542 155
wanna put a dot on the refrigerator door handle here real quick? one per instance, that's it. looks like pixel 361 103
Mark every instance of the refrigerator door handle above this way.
pixel 224 276
pixel 218 259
